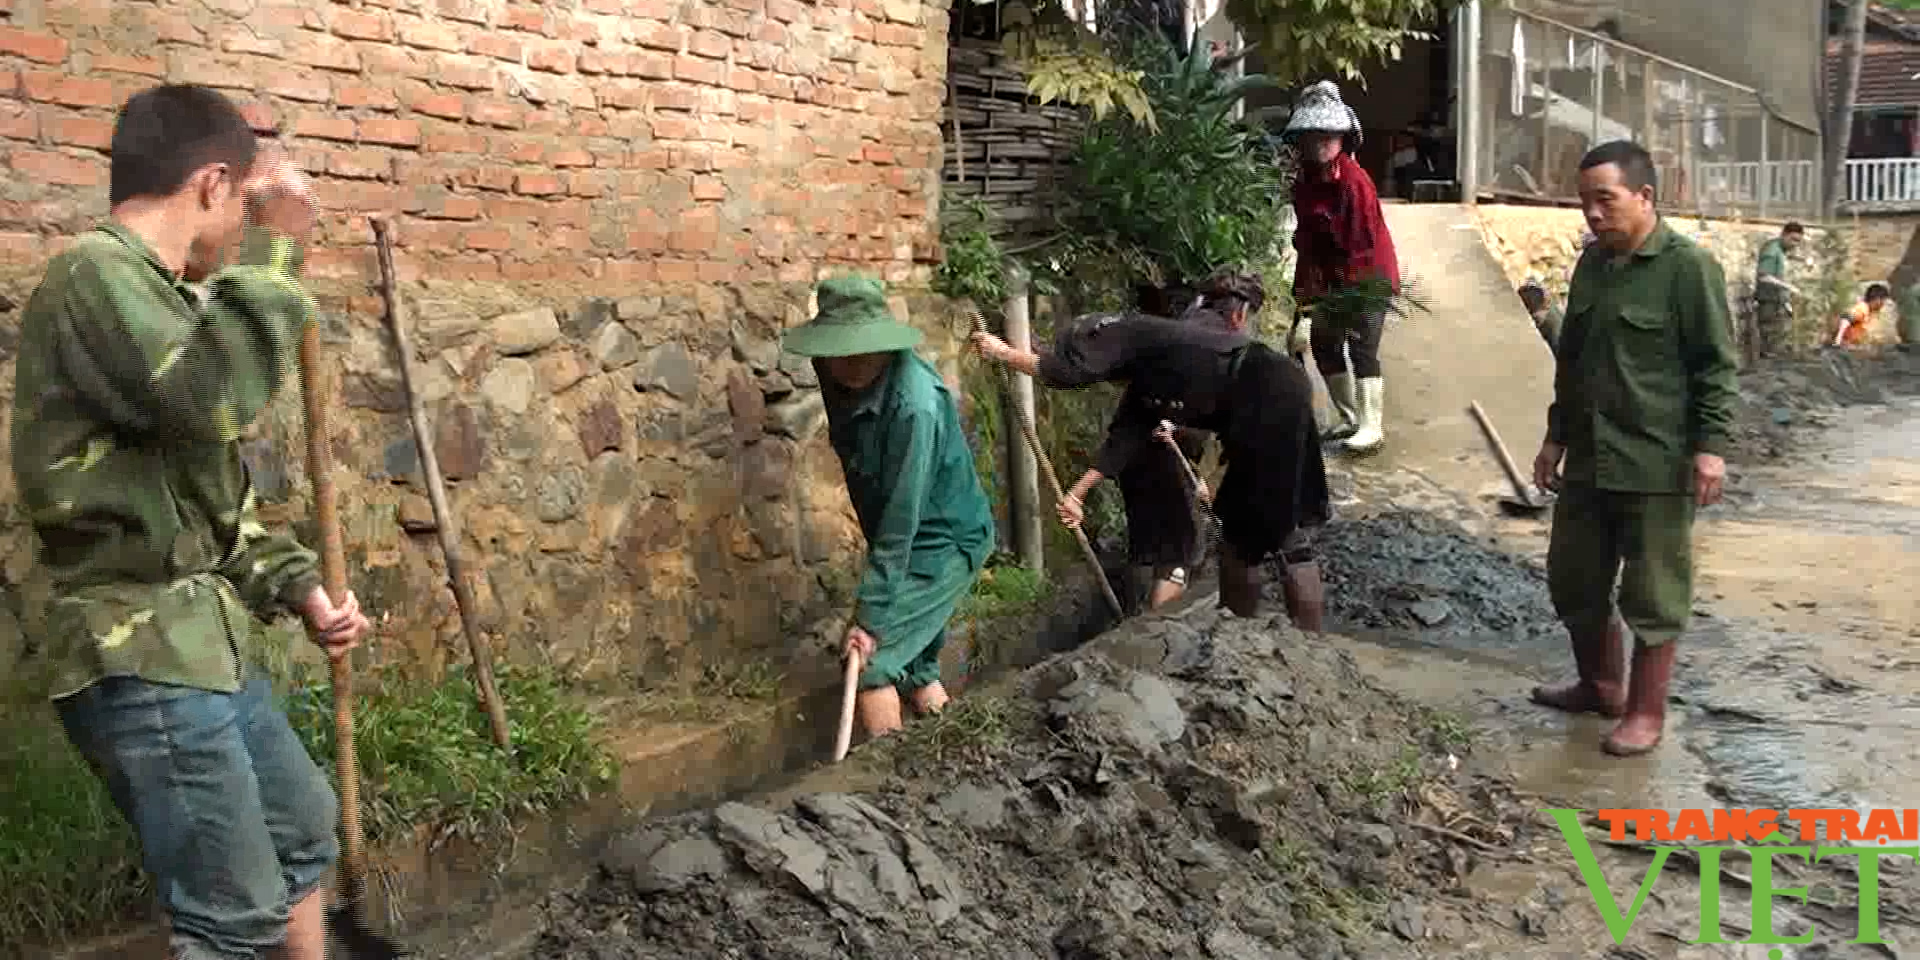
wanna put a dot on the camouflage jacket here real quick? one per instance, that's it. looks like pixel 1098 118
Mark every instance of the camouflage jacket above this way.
pixel 129 397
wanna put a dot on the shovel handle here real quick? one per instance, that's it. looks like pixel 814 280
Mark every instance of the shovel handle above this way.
pixel 1520 487
pixel 849 692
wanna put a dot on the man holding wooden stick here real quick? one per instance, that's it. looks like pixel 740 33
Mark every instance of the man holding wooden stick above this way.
pixel 910 476
pixel 131 394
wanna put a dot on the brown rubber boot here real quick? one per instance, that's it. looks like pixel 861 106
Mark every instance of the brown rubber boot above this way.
pixel 1640 731
pixel 1602 665
pixel 1306 596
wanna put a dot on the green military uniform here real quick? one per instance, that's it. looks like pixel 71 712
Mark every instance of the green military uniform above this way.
pixel 1644 380
pixel 910 476
pixel 129 398
pixel 1772 305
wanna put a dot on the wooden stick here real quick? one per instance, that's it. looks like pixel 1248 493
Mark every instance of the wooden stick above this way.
pixel 849 692
pixel 1053 480
pixel 333 574
pixel 1520 487
pixel 444 521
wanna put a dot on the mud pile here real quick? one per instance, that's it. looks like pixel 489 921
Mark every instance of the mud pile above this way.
pixel 1783 396
pixel 1186 786
pixel 1402 570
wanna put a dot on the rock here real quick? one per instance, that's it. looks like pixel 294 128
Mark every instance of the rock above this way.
pixel 458 447
pixel 1781 416
pixel 614 346
pixel 773 846
pixel 667 368
pixel 1137 709
pixel 601 429
pixel 681 863
pixel 636 310
pixel 588 317
pixel 1430 612
pixel 510 384
pixel 800 370
pixel 379 392
pixel 1406 919
pixel 518 334
pixel 415 514
pixel 1224 944
pixel 773 526
pixel 767 470
pixel 748 407
pixel 557 496
pixel 977 807
pixel 561 369
pixel 1375 838
pixel 437 322
pixel 401 460
pixel 760 354
pixel 267 459
pixel 800 417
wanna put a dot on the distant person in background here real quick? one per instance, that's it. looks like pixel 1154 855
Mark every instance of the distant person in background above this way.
pixel 1405 166
pixel 1347 272
pixel 1858 322
pixel 1547 318
pixel 1772 294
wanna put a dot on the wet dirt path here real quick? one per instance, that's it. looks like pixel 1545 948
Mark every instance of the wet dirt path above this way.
pixel 1798 687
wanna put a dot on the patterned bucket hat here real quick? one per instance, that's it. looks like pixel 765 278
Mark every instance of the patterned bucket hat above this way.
pixel 1319 109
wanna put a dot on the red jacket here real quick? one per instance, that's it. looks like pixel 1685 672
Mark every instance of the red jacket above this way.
pixel 1341 235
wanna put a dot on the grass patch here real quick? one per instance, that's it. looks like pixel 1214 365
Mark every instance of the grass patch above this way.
pixel 1378 783
pixel 1319 899
pixel 971 732
pixel 1446 730
pixel 1004 588
pixel 755 680
pixel 428 760
pixel 68 862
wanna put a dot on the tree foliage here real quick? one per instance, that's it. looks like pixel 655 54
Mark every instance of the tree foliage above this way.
pixel 1301 39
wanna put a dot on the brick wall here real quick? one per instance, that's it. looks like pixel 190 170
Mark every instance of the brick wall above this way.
pixel 604 211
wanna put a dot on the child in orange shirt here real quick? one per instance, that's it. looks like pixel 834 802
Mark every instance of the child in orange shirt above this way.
pixel 1855 323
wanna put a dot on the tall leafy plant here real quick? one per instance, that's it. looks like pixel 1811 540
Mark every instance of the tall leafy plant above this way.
pixel 1299 39
pixel 1171 203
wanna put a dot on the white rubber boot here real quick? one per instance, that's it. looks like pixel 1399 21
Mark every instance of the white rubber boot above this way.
pixel 1340 389
pixel 1372 410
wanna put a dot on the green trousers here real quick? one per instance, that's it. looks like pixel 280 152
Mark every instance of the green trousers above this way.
pixel 907 657
pixel 1643 539
pixel 1774 323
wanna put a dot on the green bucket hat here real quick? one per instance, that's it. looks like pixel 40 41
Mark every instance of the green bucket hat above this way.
pixel 853 319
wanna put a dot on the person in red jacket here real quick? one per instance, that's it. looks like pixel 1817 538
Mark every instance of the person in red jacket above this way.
pixel 1346 274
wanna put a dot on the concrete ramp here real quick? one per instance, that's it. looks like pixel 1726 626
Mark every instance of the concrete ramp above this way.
pixel 1477 344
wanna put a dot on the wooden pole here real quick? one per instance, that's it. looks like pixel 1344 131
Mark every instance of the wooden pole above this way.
pixel 444 521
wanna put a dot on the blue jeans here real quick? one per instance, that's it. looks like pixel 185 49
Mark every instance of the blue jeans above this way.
pixel 235 820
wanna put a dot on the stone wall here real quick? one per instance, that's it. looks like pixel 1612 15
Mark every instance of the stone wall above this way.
pixel 1545 241
pixel 605 211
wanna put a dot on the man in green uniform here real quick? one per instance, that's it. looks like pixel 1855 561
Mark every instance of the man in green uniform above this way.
pixel 1644 392
pixel 1772 294
pixel 910 476
pixel 130 394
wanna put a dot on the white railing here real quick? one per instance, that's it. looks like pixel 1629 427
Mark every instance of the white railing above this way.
pixel 1793 186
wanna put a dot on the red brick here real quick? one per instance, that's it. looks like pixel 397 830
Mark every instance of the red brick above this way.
pixel 385 60
pixel 467 74
pixel 69 91
pixel 537 184
pixel 323 126
pixel 551 59
pixel 118 63
pixel 785 11
pixel 515 150
pixel 319 50
pixel 706 43
pixel 876 154
pixel 675 97
pixel 499 46
pixel 446 106
pixel 488 238
pixel 467 11
pixel 744 81
pixel 20 247
pixel 33 45
pixel 650 66
pixel 19 122
pixel 586 183
pixel 496 113
pixel 658 36
pixel 524 18
pixel 373 98
pixel 240 39
pixel 461 142
pixel 430 35
pixel 172 27
pixel 596 61
pixel 80 131
pixel 359 24
pixel 59 169
pixel 486 178
pixel 678 271
pixel 362 164
pixel 606 7
pixel 76 13
pixel 392 131
pixel 709 188
pixel 300 85
pixel 455 206
pixel 894 35
pixel 570 158
pixel 696 70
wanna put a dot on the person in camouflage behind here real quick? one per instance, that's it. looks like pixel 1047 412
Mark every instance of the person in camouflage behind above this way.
pixel 131 392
